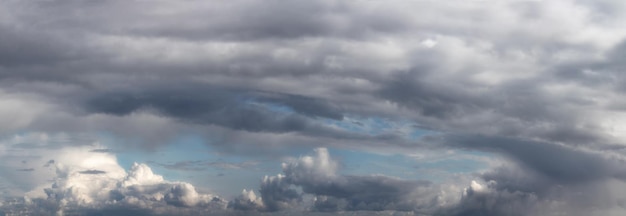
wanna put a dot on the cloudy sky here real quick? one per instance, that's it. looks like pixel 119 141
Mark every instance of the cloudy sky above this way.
pixel 317 107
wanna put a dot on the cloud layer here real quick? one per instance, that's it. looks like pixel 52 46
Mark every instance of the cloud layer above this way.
pixel 538 85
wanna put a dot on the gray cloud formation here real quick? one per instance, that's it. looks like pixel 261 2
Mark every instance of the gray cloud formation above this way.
pixel 518 191
pixel 566 186
pixel 314 184
pixel 313 65
pixel 564 164
pixel 538 82
pixel 318 176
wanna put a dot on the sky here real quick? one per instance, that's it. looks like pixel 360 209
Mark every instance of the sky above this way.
pixel 317 107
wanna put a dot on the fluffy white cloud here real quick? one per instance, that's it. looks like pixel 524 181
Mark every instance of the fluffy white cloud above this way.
pixel 87 180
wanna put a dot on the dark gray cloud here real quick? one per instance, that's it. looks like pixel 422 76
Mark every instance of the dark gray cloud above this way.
pixel 92 172
pixel 519 191
pixel 23 47
pixel 49 163
pixel 308 106
pixel 238 110
pixel 277 193
pixel 102 150
pixel 373 193
pixel 563 164
pixel 202 105
pixel 434 100
pixel 547 178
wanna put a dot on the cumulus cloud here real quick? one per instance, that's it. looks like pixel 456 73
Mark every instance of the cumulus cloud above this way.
pixel 483 199
pixel 247 201
pixel 91 182
pixel 513 189
pixel 318 176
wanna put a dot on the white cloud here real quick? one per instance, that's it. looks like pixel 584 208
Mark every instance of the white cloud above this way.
pixel 139 187
pixel 84 179
pixel 141 174
pixel 429 43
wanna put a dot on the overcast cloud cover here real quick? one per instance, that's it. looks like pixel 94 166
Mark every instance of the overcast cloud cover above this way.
pixel 534 89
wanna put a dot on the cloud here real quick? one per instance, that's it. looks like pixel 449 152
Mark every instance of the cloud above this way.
pixel 333 60
pixel 87 181
pixel 318 176
pixel 563 164
pixel 481 199
pixel 513 189
pixel 92 172
pixel 246 201
pixel 94 183
pixel 539 83
pixel 517 191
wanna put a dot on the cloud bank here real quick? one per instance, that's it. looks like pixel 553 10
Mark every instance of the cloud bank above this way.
pixel 94 183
